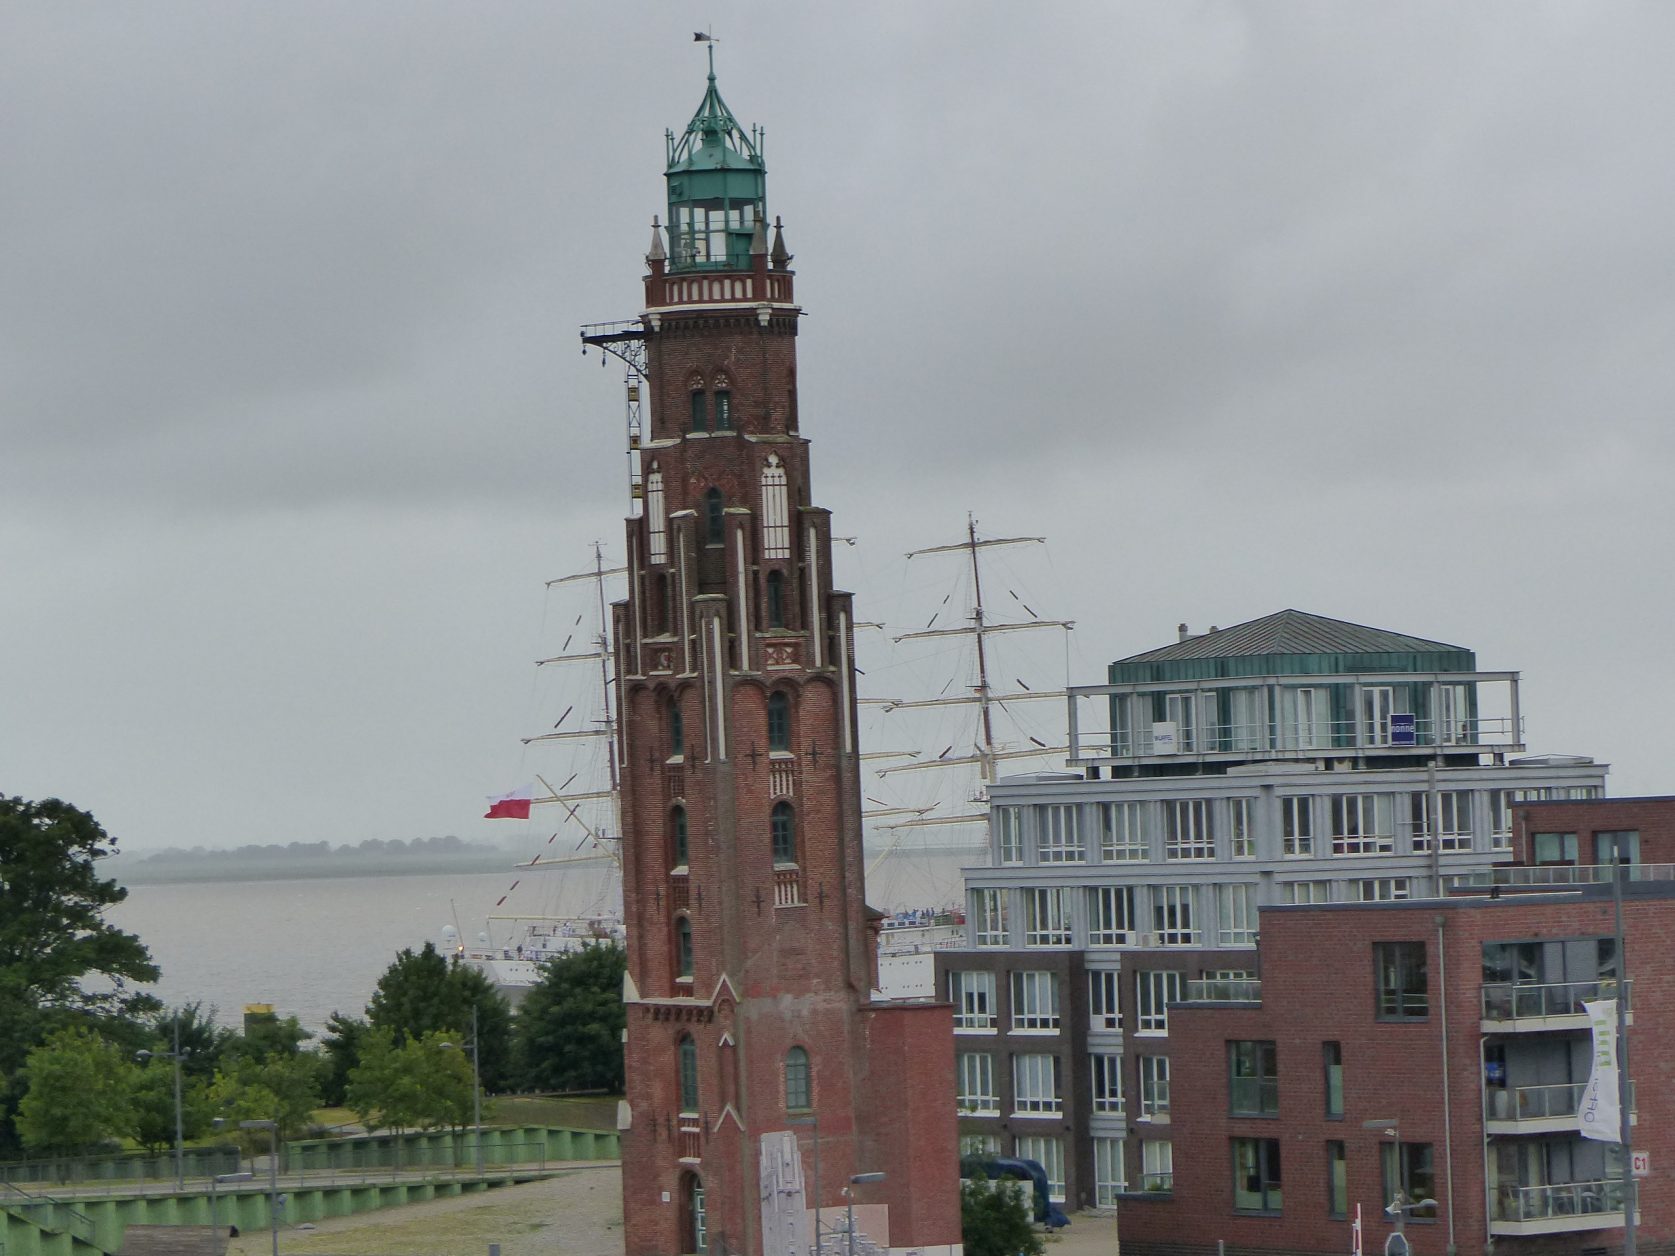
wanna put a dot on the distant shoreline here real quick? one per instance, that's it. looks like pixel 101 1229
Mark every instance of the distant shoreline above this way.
pixel 185 872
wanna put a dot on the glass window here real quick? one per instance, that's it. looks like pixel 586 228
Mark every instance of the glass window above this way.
pixel 1305 891
pixel 798 1090
pixel 1332 1059
pixel 776 514
pixel 974 1073
pixel 1060 837
pixel 1297 819
pixel 1180 709
pixel 776 599
pixel 723 410
pixel 1500 819
pixel 1256 1175
pixel 1337 1180
pixel 1107 1083
pixel 1154 991
pixel 1049 1154
pixel 1157 1165
pixel 1035 1002
pixel 1241 836
pixel 1154 1087
pixel 714 517
pixel 1010 832
pixel 979 1145
pixel 1121 839
pixel 1409 1168
pixel 1109 1177
pixel 700 413
pixel 1036 1088
pixel 683 948
pixel 1047 920
pixel 1362 824
pixel 687 1055
pixel 1236 915
pixel 783 823
pixel 1172 916
pixel 1254 1083
pixel 1187 830
pixel 1622 846
pixel 1380 889
pixel 677 731
pixel 1104 1012
pixel 1554 848
pixel 1111 915
pixel 657 516
pixel 973 997
pixel 779 722
pixel 1403 990
pixel 677 837
pixel 989 907
pixel 1454 832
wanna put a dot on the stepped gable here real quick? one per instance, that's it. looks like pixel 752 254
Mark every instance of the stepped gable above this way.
pixel 1291 632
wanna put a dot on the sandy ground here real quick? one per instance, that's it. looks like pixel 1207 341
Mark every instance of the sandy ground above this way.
pixel 576 1214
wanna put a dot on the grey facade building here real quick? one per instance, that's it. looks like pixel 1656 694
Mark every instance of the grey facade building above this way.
pixel 1291 759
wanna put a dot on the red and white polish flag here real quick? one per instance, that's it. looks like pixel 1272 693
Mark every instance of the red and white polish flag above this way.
pixel 512 806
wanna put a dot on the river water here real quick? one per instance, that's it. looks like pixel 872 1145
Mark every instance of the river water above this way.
pixel 313 946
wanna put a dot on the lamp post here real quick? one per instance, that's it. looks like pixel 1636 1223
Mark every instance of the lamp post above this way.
pixel 813 1119
pixel 1400 1205
pixel 859 1179
pixel 179 1154
pixel 272 1127
pixel 476 1089
pixel 217 1180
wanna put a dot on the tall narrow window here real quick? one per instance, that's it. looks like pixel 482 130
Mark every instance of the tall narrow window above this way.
pixel 974 1084
pixel 723 410
pixel 683 949
pixel 1337 1180
pixel 989 910
pixel 776 599
pixel 677 731
pixel 1104 1009
pixel 1107 1083
pixel 1253 1081
pixel 1111 915
pixel 714 517
pixel 783 822
pixel 688 1056
pixel 1331 1054
pixel 700 415
pixel 677 837
pixel 798 1091
pixel 779 722
pixel 657 515
pixel 1403 988
pixel 1241 836
pixel 1297 813
pixel 1008 825
pixel 776 510
pixel 1236 914
pixel 1256 1175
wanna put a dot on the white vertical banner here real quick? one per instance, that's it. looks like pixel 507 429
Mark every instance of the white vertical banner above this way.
pixel 1598 1115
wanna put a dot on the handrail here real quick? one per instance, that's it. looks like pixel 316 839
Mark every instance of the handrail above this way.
pixel 75 1222
pixel 1515 1000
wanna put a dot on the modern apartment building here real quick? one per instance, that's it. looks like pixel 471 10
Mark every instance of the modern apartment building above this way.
pixel 1290 760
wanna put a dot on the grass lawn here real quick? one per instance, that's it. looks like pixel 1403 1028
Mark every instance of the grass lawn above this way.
pixel 580 1112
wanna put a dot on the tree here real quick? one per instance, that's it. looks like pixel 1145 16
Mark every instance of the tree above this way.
pixel 422 993
pixel 152 1123
pixel 265 1037
pixel 569 1032
pixel 281 1088
pixel 995 1219
pixel 203 1042
pixel 341 1049
pixel 80 1093
pixel 423 1083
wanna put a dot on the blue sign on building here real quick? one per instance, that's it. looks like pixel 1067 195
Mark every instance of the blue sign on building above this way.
pixel 1402 730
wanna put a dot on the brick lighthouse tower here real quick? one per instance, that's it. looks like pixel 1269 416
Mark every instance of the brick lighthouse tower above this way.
pixel 761 1075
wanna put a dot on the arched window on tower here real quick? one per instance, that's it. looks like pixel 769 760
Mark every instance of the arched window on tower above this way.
pixel 799 1092
pixel 782 821
pixel 714 517
pixel 779 722
pixel 677 731
pixel 683 948
pixel 657 518
pixel 700 414
pixel 678 843
pixel 776 510
pixel 723 404
pixel 687 1056
pixel 776 599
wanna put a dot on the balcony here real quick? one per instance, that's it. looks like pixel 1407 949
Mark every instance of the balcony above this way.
pixel 1537 1109
pixel 1546 876
pixel 1520 1007
pixel 1223 990
pixel 1558 1209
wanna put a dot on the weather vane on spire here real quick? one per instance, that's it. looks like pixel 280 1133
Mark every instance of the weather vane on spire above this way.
pixel 703 37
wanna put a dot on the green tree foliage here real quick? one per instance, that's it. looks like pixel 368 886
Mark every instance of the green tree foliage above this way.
pixel 282 1088
pixel 422 1083
pixel 203 1042
pixel 341 1048
pixel 569 1033
pixel 265 1038
pixel 422 993
pixel 153 1106
pixel 79 1093
pixel 995 1219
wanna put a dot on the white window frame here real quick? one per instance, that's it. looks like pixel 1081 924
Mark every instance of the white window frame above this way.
pixel 1300 892
pixel 1297 826
pixel 1381 889
pixel 657 516
pixel 1363 824
pixel 1047 916
pixel 1236 914
pixel 1035 1002
pixel 1058 834
pixel 989 914
pixel 1157 1164
pixel 1181 710
pixel 972 992
pixel 1122 833
pixel 1188 829
pixel 1173 917
pixel 974 1077
pixel 1111 917
pixel 1309 717
pixel 1104 1001
pixel 1037 1085
pixel 1009 834
pixel 776 510
pixel 1154 990
pixel 1049 1154
pixel 1378 706
pixel 1154 1088
pixel 979 1144
pixel 1110 1175
pixel 1241 828
pixel 1105 1073
pixel 1455 829
pixel 1500 819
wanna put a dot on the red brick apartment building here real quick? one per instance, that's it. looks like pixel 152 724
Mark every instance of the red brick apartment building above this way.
pixel 1457 1024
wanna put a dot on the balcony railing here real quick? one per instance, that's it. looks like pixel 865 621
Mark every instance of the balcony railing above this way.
pixel 1505 1001
pixel 1565 1199
pixel 1223 990
pixel 691 1142
pixel 788 887
pixel 1255 1096
pixel 1538 1103
pixel 1567 874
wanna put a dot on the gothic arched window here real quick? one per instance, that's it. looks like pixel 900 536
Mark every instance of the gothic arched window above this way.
pixel 776 599
pixel 678 845
pixel 687 1054
pixel 779 722
pixel 657 516
pixel 782 822
pixel 700 416
pixel 713 518
pixel 776 510
pixel 683 948
pixel 799 1094
pixel 677 731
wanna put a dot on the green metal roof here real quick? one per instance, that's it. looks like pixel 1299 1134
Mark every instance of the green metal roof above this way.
pixel 714 140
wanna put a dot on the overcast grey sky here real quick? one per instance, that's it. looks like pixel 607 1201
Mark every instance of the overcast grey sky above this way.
pixel 1364 309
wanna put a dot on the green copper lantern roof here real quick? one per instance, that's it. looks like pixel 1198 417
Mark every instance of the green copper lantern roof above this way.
pixel 717 188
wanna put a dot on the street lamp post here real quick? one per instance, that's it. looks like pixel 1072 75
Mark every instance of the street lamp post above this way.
pixel 476 1089
pixel 1400 1205
pixel 216 1181
pixel 813 1119
pixel 272 1127
pixel 859 1179
pixel 179 1142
